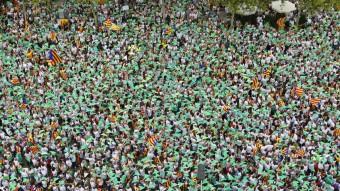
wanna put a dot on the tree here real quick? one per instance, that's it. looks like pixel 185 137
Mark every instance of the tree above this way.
pixel 236 5
pixel 310 7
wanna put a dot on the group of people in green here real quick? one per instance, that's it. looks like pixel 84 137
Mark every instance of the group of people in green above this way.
pixel 139 102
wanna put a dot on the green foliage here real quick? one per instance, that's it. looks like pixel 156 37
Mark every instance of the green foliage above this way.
pixel 313 6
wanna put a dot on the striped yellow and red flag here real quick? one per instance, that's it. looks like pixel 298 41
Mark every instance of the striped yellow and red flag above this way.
pixel 336 132
pixel 30 138
pixel 168 31
pixel 53 36
pixel 300 153
pixel 152 140
pixel 266 73
pixel 107 23
pixel 168 183
pixel 226 108
pixel 23 106
pixel 54 124
pixel 281 22
pixel 34 149
pixel 315 101
pixel 255 84
pixel 298 91
pixel 112 118
pixel 15 80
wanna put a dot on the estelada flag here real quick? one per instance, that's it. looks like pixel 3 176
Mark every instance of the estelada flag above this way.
pixel 54 57
pixel 152 140
pixel 315 101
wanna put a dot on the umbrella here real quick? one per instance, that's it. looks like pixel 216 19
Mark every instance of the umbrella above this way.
pixel 283 6
pixel 246 10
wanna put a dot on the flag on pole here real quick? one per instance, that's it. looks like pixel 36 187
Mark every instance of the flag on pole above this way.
pixel 54 57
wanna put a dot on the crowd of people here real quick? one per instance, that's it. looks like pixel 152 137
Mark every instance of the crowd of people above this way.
pixel 141 106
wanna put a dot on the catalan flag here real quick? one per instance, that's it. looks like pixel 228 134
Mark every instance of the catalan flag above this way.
pixel 277 139
pixel 63 22
pixel 281 23
pixel 15 81
pixel 300 153
pixel 107 23
pixel 168 31
pixel 226 108
pixel 53 36
pixel 336 132
pixel 266 73
pixel 101 2
pixel 30 138
pixel 152 140
pixel 112 118
pixel 29 54
pixel 315 101
pixel 23 106
pixel 34 149
pixel 54 124
pixel 168 183
pixel 54 57
pixel 298 91
pixel 255 84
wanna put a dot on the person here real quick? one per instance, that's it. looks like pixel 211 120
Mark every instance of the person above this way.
pixel 139 108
